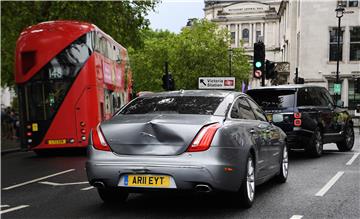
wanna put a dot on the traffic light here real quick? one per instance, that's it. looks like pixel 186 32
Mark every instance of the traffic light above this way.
pixel 259 59
pixel 168 82
pixel 271 73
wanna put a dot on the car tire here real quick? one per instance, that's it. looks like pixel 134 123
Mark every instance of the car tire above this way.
pixel 315 148
pixel 112 195
pixel 284 166
pixel 348 142
pixel 247 189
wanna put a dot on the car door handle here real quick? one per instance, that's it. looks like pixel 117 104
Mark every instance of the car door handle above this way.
pixel 252 131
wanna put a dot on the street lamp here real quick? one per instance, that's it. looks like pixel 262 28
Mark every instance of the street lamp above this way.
pixel 339 13
pixel 230 59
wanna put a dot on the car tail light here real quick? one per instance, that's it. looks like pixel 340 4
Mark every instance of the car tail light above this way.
pixel 297 115
pixel 204 138
pixel 99 141
pixel 297 122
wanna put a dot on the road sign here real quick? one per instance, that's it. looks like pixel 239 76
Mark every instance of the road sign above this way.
pixel 337 88
pixel 257 74
pixel 216 83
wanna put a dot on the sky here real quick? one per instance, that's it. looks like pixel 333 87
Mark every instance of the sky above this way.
pixel 173 14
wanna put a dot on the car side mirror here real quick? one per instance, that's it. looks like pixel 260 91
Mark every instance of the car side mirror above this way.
pixel 340 103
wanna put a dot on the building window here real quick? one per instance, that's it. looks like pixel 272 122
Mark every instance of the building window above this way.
pixel 245 35
pixel 342 3
pixel 353 3
pixel 258 34
pixel 232 37
pixel 355 44
pixel 354 97
pixel 333 44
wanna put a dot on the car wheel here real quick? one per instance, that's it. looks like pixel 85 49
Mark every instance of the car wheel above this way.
pixel 112 195
pixel 315 148
pixel 247 189
pixel 348 142
pixel 284 166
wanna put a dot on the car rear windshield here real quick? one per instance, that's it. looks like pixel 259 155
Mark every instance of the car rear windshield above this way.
pixel 173 105
pixel 273 99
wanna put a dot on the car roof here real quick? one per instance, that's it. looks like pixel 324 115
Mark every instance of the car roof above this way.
pixel 213 93
pixel 287 86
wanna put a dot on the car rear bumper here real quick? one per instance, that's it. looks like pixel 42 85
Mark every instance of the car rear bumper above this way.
pixel 299 138
pixel 185 169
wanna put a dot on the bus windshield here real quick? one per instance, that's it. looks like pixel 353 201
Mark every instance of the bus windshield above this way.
pixel 44 93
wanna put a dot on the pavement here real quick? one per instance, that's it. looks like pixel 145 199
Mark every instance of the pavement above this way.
pixel 10 145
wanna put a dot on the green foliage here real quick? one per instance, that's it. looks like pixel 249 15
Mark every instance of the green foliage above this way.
pixel 123 20
pixel 199 50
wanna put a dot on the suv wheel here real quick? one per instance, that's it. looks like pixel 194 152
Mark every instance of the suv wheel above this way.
pixel 348 142
pixel 315 148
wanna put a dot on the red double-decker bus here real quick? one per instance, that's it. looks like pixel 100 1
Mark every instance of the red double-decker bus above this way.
pixel 70 76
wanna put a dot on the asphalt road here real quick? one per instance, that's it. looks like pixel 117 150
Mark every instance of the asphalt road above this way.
pixel 56 187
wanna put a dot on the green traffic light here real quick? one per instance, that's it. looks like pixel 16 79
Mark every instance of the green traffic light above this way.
pixel 258 64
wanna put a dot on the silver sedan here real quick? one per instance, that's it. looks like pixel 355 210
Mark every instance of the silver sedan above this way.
pixel 186 140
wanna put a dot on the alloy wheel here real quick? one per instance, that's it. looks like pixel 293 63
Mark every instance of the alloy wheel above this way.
pixel 349 136
pixel 250 179
pixel 285 163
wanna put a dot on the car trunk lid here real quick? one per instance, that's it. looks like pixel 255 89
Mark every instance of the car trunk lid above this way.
pixel 153 134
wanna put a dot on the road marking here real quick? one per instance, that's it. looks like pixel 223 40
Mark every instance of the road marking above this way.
pixel 36 180
pixel 329 184
pixel 296 217
pixel 63 184
pixel 352 159
pixel 14 209
pixel 5 206
pixel 87 188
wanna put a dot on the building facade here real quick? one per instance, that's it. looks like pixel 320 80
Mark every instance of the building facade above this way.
pixel 308 33
pixel 249 22
pixel 299 34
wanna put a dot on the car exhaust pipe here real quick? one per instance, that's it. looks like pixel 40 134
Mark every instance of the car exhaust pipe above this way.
pixel 99 184
pixel 203 188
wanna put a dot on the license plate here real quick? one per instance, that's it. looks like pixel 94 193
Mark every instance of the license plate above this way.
pixel 147 181
pixel 57 141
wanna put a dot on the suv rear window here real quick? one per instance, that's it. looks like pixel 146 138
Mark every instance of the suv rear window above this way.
pixel 273 99
pixel 173 105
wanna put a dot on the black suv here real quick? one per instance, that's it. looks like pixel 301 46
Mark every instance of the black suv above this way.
pixel 308 115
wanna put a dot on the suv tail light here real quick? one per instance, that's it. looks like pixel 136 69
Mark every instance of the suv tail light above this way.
pixel 297 119
pixel 99 141
pixel 204 138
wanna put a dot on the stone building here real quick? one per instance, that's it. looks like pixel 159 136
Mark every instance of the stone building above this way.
pixel 298 34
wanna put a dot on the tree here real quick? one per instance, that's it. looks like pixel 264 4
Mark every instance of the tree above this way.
pixel 199 50
pixel 123 20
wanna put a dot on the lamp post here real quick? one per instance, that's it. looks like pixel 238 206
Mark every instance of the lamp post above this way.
pixel 339 13
pixel 230 59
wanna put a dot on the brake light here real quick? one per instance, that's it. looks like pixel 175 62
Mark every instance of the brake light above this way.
pixel 297 115
pixel 297 122
pixel 99 141
pixel 204 138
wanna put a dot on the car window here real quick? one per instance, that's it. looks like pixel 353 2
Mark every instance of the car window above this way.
pixel 317 96
pixel 258 112
pixel 242 110
pixel 304 97
pixel 173 105
pixel 327 96
pixel 273 98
